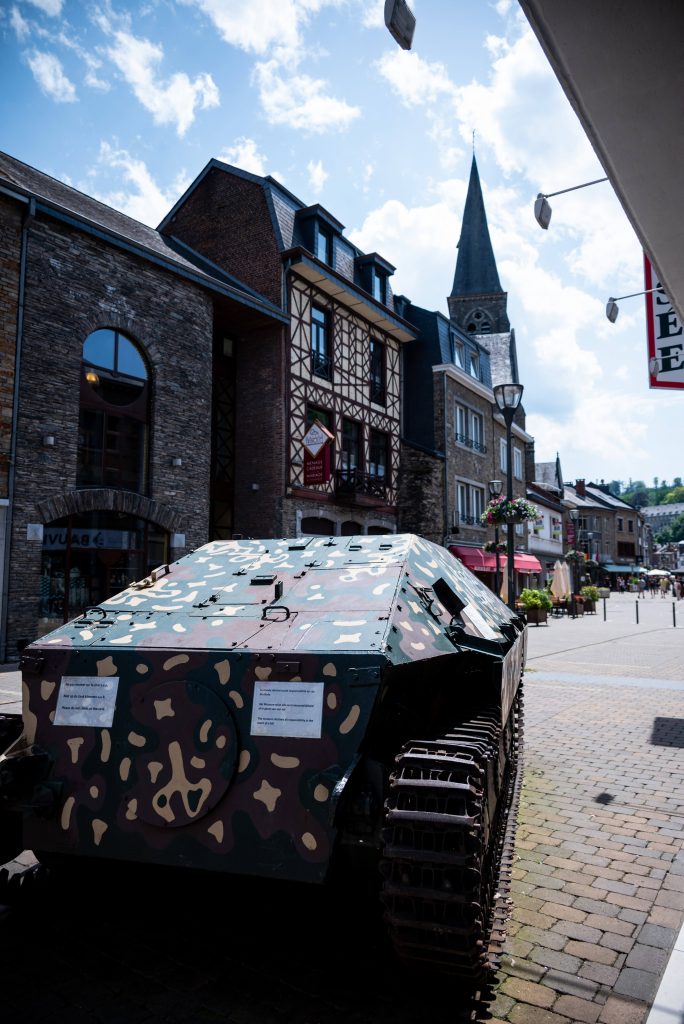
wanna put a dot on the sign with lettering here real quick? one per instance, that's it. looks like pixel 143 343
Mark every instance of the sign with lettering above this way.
pixel 287 709
pixel 87 700
pixel 665 336
pixel 317 454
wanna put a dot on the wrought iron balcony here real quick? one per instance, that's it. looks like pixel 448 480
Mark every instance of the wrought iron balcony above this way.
pixel 470 443
pixel 469 520
pixel 352 483
pixel 321 365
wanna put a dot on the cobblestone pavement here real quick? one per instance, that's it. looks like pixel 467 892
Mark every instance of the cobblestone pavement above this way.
pixel 598 896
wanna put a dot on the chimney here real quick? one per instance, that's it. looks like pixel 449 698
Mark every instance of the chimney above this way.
pixel 580 488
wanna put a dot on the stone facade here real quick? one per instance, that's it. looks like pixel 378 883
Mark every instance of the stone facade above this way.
pixel 421 493
pixel 76 284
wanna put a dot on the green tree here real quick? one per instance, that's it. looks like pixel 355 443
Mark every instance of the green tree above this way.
pixel 672 533
pixel 673 496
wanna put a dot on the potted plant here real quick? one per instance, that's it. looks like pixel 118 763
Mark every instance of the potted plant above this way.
pixel 537 604
pixel 500 510
pixel 591 596
pixel 491 547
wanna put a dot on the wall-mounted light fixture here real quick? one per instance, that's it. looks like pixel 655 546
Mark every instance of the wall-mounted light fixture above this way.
pixel 92 377
pixel 612 308
pixel 542 209
pixel 176 461
pixel 655 365
pixel 401 22
pixel 49 440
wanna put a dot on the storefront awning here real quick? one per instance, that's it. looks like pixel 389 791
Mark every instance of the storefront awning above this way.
pixel 478 560
pixel 611 567
pixel 526 563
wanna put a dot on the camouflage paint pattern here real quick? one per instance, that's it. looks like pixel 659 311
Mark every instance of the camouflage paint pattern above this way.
pixel 181 776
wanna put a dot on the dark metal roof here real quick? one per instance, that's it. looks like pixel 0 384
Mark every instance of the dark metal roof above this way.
pixel 82 211
pixel 476 272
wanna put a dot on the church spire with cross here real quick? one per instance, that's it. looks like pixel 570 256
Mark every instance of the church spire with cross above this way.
pixel 477 303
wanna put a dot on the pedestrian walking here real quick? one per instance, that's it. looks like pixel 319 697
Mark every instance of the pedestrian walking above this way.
pixel 641 586
pixel 664 585
pixel 678 589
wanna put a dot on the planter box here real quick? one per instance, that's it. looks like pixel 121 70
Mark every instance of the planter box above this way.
pixel 590 606
pixel 536 615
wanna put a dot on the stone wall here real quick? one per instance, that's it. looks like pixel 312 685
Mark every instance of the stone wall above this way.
pixel 76 284
pixel 10 253
pixel 421 494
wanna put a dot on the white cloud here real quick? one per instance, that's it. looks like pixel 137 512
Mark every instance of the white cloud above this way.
pixel 300 101
pixel 373 15
pixel 48 73
pixel 244 153
pixel 135 193
pixel 173 101
pixel 21 27
pixel 50 7
pixel 273 30
pixel 417 82
pixel 317 176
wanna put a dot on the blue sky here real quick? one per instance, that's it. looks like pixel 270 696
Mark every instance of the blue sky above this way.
pixel 127 102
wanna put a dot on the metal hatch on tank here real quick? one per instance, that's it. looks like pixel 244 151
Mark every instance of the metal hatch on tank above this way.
pixel 281 707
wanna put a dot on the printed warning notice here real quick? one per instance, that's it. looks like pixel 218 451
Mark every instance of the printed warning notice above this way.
pixel 287 709
pixel 86 700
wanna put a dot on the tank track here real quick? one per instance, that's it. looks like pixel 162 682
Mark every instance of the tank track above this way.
pixel 450 821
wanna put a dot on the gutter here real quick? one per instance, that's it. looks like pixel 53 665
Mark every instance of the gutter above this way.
pixel 29 215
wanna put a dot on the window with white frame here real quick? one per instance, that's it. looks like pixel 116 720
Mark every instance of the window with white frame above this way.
pixel 469 428
pixel 470 501
pixel 517 464
pixel 474 365
pixel 459 353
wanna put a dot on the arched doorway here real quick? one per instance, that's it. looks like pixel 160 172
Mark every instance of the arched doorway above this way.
pixel 90 557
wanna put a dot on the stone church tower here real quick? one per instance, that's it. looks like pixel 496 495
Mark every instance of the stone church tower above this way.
pixel 477 303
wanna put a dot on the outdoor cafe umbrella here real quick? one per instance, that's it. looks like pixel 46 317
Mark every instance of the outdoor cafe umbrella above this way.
pixel 657 572
pixel 560 581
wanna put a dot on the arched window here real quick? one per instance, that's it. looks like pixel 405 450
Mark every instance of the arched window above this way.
pixel 351 529
pixel 114 414
pixel 479 323
pixel 317 527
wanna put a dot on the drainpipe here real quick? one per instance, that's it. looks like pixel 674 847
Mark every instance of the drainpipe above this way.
pixel 29 214
pixel 446 461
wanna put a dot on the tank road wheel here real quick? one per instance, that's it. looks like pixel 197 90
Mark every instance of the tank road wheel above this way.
pixel 447 846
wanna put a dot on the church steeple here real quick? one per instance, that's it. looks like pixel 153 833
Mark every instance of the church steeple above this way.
pixel 477 302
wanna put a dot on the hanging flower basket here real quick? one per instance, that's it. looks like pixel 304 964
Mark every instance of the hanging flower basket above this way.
pixel 492 548
pixel 576 557
pixel 499 510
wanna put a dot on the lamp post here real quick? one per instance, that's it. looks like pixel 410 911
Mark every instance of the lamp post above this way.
pixel 507 397
pixel 574 515
pixel 494 488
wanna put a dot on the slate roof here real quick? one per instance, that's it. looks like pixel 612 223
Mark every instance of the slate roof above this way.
pixel 74 207
pixel 503 359
pixel 476 272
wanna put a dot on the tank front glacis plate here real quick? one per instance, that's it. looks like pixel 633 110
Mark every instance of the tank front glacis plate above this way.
pixel 244 680
pixel 194 768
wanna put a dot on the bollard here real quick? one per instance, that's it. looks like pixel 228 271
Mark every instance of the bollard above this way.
pixel 637 608
pixel 674 613
pixel 604 609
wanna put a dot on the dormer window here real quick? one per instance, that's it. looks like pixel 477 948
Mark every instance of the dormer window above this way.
pixel 474 366
pixel 379 285
pixel 458 352
pixel 323 245
pixel 373 274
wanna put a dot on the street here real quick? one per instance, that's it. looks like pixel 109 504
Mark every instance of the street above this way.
pixel 598 900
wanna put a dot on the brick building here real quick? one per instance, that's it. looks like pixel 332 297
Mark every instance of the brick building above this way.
pixel 106 461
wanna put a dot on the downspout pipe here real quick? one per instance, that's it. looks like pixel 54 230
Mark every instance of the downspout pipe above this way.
pixel 29 215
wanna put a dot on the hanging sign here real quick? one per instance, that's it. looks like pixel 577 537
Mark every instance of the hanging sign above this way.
pixel 665 336
pixel 317 442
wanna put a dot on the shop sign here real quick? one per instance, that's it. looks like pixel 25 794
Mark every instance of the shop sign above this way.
pixel 56 539
pixel 665 336
pixel 317 454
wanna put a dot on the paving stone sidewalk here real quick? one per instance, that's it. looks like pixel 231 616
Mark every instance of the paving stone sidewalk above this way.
pixel 598 887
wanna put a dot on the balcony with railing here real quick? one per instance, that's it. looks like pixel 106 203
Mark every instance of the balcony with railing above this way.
pixel 351 484
pixel 469 442
pixel 321 365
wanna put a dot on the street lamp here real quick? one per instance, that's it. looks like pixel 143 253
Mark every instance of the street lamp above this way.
pixel 494 487
pixel 542 209
pixel 507 397
pixel 574 515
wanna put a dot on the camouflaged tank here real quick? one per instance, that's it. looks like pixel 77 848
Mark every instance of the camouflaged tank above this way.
pixel 274 707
